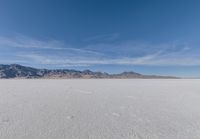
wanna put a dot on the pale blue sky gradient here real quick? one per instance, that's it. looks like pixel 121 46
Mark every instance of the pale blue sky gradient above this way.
pixel 150 37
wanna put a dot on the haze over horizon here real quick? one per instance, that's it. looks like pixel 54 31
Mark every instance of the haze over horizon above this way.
pixel 149 37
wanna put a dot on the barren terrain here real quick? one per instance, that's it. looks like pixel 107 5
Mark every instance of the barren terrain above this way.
pixel 100 109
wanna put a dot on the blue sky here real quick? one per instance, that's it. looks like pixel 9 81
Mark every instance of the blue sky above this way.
pixel 150 37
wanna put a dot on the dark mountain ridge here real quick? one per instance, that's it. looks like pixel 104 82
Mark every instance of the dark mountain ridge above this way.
pixel 19 71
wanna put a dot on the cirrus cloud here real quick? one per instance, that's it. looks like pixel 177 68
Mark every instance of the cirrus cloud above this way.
pixel 58 53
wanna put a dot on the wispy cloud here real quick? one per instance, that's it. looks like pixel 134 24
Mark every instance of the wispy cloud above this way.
pixel 102 38
pixel 26 42
pixel 59 54
pixel 135 48
pixel 154 59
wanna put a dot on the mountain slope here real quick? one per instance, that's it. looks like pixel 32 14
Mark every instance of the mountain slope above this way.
pixel 18 71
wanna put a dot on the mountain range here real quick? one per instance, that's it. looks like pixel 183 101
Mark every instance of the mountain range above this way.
pixel 19 71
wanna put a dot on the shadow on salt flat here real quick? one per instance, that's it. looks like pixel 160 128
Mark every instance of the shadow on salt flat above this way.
pixel 70 117
pixel 4 121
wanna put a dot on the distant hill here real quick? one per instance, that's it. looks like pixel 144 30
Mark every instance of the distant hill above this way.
pixel 19 71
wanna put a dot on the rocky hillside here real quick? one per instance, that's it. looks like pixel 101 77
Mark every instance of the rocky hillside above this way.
pixel 18 71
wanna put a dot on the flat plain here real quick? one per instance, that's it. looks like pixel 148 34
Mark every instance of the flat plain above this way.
pixel 100 109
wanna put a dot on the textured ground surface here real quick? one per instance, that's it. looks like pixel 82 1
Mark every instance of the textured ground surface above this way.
pixel 100 109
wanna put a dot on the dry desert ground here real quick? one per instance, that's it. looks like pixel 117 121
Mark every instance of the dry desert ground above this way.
pixel 100 109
